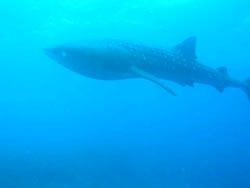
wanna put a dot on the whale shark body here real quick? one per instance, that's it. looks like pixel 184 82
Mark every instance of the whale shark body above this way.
pixel 116 60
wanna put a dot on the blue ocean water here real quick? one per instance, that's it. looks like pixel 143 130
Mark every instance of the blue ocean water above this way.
pixel 59 129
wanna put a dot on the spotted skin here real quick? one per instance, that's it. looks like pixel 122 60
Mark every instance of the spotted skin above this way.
pixel 113 59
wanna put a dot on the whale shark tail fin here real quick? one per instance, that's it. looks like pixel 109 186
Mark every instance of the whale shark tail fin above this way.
pixel 248 81
pixel 247 88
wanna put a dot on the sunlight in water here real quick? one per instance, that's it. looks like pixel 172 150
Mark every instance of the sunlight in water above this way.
pixel 82 15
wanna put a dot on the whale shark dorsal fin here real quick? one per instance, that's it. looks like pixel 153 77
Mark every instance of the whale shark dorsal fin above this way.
pixel 151 78
pixel 188 48
pixel 223 70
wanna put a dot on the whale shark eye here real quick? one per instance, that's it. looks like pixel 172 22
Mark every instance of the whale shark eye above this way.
pixel 64 54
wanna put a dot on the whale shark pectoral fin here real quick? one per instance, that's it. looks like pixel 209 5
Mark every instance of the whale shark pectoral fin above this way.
pixel 151 78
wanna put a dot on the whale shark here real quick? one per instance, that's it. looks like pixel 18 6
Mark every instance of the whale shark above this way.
pixel 117 59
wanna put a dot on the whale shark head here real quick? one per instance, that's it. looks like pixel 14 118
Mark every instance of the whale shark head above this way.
pixel 73 55
pixel 95 60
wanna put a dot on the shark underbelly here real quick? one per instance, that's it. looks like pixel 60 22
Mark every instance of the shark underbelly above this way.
pixel 102 71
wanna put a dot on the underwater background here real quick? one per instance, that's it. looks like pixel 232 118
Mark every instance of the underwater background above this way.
pixel 62 130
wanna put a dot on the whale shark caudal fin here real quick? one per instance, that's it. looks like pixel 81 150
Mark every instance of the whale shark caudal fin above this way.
pixel 151 78
pixel 247 88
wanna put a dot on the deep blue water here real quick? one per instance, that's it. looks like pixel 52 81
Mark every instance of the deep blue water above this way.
pixel 60 130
